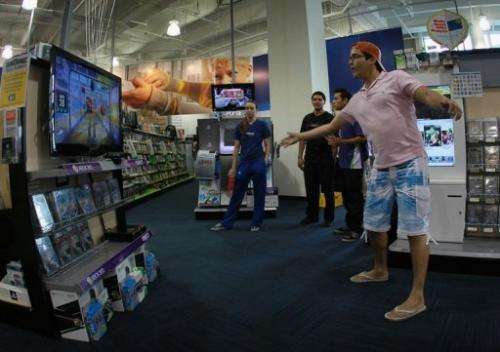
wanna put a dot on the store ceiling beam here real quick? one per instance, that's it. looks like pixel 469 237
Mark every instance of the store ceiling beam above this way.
pixel 403 24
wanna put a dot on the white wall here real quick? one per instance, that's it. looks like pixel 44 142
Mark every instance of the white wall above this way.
pixel 297 67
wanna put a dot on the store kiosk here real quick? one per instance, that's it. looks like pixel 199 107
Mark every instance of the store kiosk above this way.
pixel 64 202
pixel 447 168
pixel 216 143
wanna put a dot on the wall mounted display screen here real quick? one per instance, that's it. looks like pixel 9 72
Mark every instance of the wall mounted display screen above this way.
pixel 439 141
pixel 85 107
pixel 232 97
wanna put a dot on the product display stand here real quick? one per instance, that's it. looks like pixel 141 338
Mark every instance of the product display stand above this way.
pixel 478 241
pixel 216 138
pixel 66 220
pixel 154 164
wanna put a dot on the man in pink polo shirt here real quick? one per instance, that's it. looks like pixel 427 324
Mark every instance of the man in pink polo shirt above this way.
pixel 385 110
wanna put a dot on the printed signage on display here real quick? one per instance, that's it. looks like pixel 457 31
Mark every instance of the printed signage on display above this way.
pixel 447 28
pixel 14 80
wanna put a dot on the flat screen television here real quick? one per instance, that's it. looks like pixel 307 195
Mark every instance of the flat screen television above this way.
pixel 85 105
pixel 232 97
pixel 439 141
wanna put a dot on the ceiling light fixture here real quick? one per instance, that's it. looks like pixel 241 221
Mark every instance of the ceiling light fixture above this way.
pixel 484 23
pixel 7 52
pixel 116 62
pixel 29 4
pixel 173 29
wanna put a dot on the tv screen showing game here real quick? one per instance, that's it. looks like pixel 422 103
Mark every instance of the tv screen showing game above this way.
pixel 438 139
pixel 85 107
pixel 232 97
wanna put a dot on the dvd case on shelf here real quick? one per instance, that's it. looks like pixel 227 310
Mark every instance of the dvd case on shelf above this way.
pixel 65 204
pixel 114 189
pixel 475 131
pixel 490 128
pixel 85 236
pixel 85 199
pixel 491 184
pixel 474 214
pixel 490 215
pixel 43 214
pixel 476 185
pixel 47 254
pixel 75 242
pixel 491 157
pixel 475 158
pixel 62 244
pixel 101 194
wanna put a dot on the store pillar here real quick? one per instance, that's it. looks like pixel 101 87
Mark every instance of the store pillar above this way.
pixel 297 67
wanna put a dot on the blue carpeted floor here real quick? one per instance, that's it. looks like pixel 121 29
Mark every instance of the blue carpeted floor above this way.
pixel 283 289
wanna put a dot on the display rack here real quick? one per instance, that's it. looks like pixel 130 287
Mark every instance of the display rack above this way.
pixel 153 165
pixel 213 161
pixel 483 175
pixel 65 219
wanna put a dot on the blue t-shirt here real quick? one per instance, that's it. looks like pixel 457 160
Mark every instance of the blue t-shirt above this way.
pixel 251 141
pixel 346 152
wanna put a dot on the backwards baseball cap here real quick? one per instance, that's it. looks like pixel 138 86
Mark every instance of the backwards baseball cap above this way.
pixel 373 50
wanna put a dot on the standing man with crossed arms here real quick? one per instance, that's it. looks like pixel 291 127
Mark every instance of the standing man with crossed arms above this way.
pixel 384 108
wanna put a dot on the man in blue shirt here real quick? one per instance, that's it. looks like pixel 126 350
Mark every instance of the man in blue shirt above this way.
pixel 352 153
pixel 249 138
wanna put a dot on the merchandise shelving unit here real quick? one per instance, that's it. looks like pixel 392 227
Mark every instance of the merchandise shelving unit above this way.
pixel 154 165
pixel 483 150
pixel 481 238
pixel 30 306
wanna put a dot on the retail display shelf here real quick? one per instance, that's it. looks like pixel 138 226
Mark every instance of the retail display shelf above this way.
pixel 81 276
pixel 76 169
pixel 62 225
pixel 477 248
pixel 134 162
pixel 223 209
pixel 152 191
pixel 144 132
pixel 15 295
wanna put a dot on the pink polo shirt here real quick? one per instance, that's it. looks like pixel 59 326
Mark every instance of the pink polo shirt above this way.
pixel 386 113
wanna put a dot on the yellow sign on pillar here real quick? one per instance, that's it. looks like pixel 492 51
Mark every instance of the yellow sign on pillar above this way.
pixel 14 80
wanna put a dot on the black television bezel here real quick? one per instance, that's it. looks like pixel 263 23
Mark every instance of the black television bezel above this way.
pixel 231 85
pixel 66 149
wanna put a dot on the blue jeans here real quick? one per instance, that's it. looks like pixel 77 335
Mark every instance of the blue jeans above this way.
pixel 254 170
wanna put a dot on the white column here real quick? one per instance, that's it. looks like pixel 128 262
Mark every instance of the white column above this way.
pixel 297 67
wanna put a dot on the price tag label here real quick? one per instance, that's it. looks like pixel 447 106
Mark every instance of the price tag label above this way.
pixel 488 229
pixel 472 229
pixel 474 200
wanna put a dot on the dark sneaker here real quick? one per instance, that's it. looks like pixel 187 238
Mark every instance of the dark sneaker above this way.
pixel 341 230
pixel 350 237
pixel 218 227
pixel 255 228
pixel 308 221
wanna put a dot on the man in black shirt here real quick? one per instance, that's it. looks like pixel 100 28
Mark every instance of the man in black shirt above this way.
pixel 318 164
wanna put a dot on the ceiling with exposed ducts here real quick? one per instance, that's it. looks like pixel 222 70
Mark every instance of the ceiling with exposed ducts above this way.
pixel 140 26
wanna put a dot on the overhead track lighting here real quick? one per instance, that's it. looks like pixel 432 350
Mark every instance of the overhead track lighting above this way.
pixel 29 4
pixel 173 29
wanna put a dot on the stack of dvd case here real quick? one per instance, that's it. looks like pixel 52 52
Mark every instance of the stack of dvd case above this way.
pixel 483 182
pixel 63 234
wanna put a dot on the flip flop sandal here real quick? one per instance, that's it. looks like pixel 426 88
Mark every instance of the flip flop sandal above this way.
pixel 365 277
pixel 404 314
